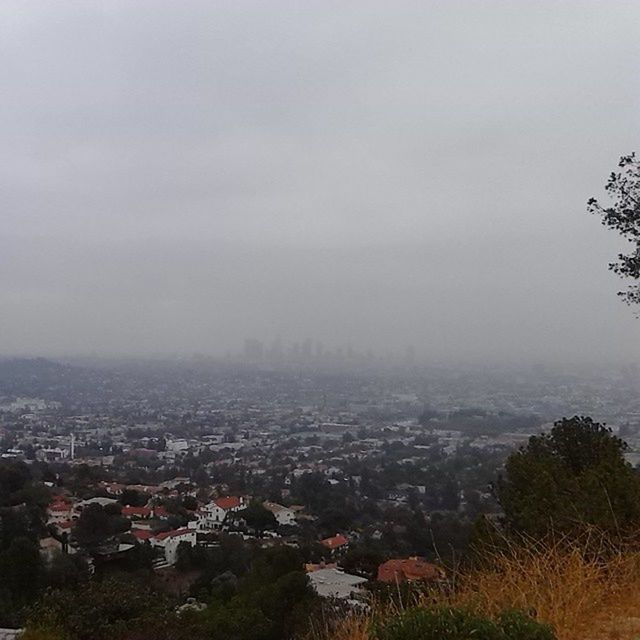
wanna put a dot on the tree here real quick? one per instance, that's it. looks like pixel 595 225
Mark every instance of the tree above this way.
pixel 272 602
pixel 189 503
pixel 271 564
pixel 66 571
pixel 133 498
pixel 362 560
pixel 286 602
pixel 21 570
pixel 258 518
pixel 573 477
pixel 92 527
pixel 96 524
pixel 623 216
pixel 14 477
pixel 109 609
pixel 21 565
pixel 237 622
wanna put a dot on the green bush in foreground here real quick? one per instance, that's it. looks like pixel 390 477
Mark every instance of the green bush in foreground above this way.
pixel 457 624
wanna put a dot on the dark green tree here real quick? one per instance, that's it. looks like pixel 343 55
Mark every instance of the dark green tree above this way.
pixel 96 524
pixel 21 571
pixel 258 518
pixel 66 571
pixel 14 477
pixel 21 518
pixel 133 498
pixel 114 609
pixel 189 503
pixel 362 560
pixel 272 602
pixel 92 527
pixel 573 477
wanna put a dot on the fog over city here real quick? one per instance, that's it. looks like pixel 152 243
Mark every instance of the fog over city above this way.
pixel 178 177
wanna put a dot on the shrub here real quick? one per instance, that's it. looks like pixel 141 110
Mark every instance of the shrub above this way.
pixel 458 624
pixel 517 626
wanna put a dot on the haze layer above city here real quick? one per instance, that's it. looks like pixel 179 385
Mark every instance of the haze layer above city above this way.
pixel 371 175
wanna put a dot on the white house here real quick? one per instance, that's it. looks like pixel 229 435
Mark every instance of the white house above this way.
pixel 59 511
pixel 283 515
pixel 170 540
pixel 334 583
pixel 213 514
pixel 178 445
pixel 51 454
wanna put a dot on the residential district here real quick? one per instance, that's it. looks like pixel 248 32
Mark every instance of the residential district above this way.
pixel 188 469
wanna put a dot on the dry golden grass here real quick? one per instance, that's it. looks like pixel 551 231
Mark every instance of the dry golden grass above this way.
pixel 585 589
pixel 350 627
pixel 568 585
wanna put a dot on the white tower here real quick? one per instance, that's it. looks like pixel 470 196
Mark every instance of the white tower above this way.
pixel 73 446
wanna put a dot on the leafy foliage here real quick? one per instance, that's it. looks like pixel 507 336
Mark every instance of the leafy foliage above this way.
pixel 257 517
pixel 458 624
pixel 97 523
pixel 570 478
pixel 21 566
pixel 101 609
pixel 271 602
pixel 623 216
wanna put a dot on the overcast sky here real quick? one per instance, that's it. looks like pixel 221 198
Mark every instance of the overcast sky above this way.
pixel 177 176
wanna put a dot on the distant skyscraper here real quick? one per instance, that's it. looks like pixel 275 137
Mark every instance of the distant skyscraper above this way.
pixel 253 350
pixel 276 352
pixel 410 354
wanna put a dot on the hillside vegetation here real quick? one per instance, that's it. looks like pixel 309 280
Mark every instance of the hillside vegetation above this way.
pixel 563 562
pixel 582 589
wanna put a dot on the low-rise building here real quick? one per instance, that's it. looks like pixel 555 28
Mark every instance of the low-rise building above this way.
pixel 283 515
pixel 213 514
pixel 335 543
pixel 170 541
pixel 335 583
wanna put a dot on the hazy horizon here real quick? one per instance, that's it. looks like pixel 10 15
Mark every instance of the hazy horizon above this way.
pixel 179 177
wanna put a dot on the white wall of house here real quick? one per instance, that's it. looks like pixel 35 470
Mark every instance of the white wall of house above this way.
pixel 59 516
pixel 283 515
pixel 213 516
pixel 171 545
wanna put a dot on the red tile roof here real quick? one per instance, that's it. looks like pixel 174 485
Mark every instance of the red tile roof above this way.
pixel 145 488
pixel 59 507
pixel 230 502
pixel 140 512
pixel 408 569
pixel 141 534
pixel 113 487
pixel 334 543
pixel 173 534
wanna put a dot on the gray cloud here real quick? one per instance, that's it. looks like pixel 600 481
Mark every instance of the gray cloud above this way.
pixel 178 176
